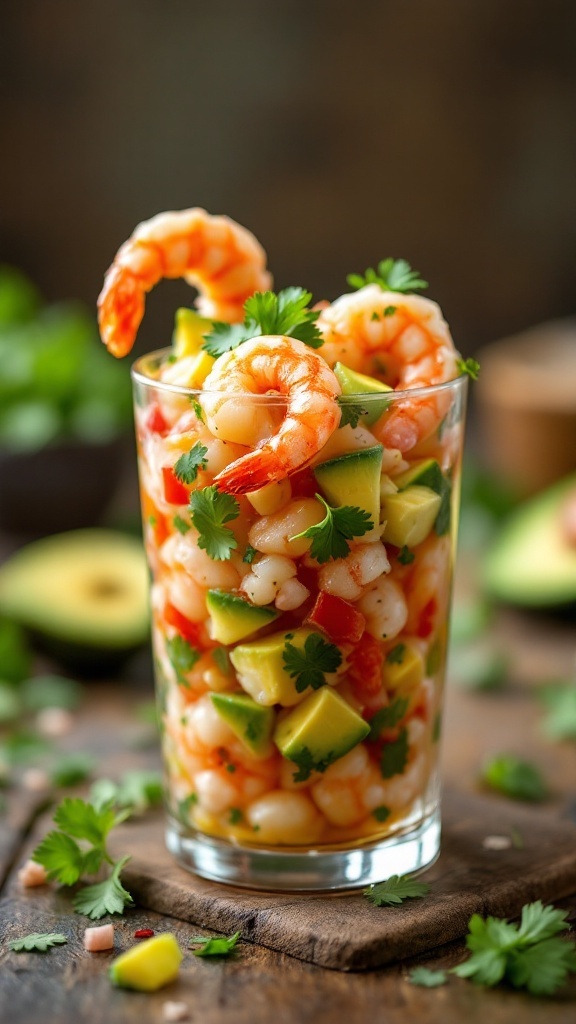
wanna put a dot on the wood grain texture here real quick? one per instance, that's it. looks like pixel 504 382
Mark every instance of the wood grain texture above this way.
pixel 345 931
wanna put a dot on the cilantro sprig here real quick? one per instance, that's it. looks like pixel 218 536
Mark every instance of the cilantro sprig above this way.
pixel 515 778
pixel 187 466
pixel 350 412
pixel 309 666
pixel 330 537
pixel 468 367
pixel 79 847
pixel 286 313
pixel 210 509
pixel 307 763
pixel 220 946
pixel 391 275
pixel 395 890
pixel 529 955
pixel 38 942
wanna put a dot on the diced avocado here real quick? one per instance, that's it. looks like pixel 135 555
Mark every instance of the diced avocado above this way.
pixel 322 729
pixel 233 618
pixel 148 966
pixel 533 562
pixel 357 384
pixel 403 670
pixel 409 515
pixel 198 369
pixel 270 498
pixel 261 669
pixel 353 479
pixel 250 722
pixel 82 594
pixel 427 473
pixel 189 331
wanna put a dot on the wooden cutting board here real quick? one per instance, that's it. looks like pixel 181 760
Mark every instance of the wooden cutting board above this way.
pixel 345 931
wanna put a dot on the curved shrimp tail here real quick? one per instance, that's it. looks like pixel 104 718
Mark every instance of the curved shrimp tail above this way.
pixel 120 310
pixel 250 472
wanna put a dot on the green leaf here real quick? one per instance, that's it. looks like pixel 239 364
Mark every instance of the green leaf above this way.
pixel 250 554
pixel 394 756
pixel 560 721
pixel 381 813
pixel 71 769
pixel 395 890
pixel 107 897
pixel 80 819
pixel 388 717
pixel 51 691
pixel 307 764
pixel 405 556
pixel 61 856
pixel 542 968
pixel 137 791
pixel 485 968
pixel 518 779
pixel 214 947
pixel 187 466
pixel 468 367
pixel 330 537
pixel 540 922
pixel 309 666
pixel 224 338
pixel 392 276
pixel 197 407
pixel 396 655
pixel 37 942
pixel 286 313
pixel 210 510
pixel 350 412
pixel 181 525
pixel 182 656
pixel 426 978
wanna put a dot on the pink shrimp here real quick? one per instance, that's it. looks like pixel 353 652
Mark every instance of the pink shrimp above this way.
pixel 215 254
pixel 403 341
pixel 307 408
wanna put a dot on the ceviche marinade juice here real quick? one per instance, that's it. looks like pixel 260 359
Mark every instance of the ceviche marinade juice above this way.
pixel 299 477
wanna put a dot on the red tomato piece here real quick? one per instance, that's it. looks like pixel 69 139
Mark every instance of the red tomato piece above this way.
pixel 191 631
pixel 365 667
pixel 143 933
pixel 343 623
pixel 426 619
pixel 175 492
pixel 155 420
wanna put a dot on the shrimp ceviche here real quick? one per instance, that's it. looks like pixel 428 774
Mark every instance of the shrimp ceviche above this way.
pixel 299 472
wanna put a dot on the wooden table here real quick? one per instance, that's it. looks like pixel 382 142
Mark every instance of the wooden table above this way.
pixel 258 986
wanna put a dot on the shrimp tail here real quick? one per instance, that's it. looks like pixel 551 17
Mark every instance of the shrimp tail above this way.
pixel 120 310
pixel 250 472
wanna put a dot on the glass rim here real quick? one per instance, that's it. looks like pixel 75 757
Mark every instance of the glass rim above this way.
pixel 395 395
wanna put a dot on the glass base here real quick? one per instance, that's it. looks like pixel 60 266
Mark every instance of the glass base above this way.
pixel 313 870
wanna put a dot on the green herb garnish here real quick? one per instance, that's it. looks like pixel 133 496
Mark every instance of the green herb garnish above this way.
pixel 350 412
pixel 426 978
pixel 394 756
pixel 182 656
pixel 560 721
pixel 267 313
pixel 307 764
pixel 181 525
pixel 395 890
pixel 37 942
pixel 388 717
pixel 210 509
pixel 308 666
pixel 392 276
pixel 330 537
pixel 187 466
pixel 405 556
pixel 468 367
pixel 214 947
pixel 518 779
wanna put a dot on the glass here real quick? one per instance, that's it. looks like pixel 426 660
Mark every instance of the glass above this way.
pixel 300 700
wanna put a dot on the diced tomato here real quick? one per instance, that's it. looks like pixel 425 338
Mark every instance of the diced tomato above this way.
pixel 426 618
pixel 161 529
pixel 303 484
pixel 155 420
pixel 343 623
pixel 365 667
pixel 191 631
pixel 175 492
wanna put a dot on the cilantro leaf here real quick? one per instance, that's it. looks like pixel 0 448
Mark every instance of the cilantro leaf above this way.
pixel 223 338
pixel 542 968
pixel 249 554
pixel 107 897
pixel 198 410
pixel 392 276
pixel 136 791
pixel 80 819
pixel 396 655
pixel 61 856
pixel 350 412
pixel 405 556
pixel 395 890
pixel 308 666
pixel 210 510
pixel 286 313
pixel 71 769
pixel 181 525
pixel 214 947
pixel 388 717
pixel 37 942
pixel 560 721
pixel 518 779
pixel 469 367
pixel 182 656
pixel 394 756
pixel 307 764
pixel 187 466
pixel 330 537
pixel 381 813
pixel 426 978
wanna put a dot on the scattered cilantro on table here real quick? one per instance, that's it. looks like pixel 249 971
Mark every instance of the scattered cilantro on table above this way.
pixel 330 537
pixel 426 978
pixel 518 779
pixel 210 509
pixel 308 666
pixel 559 723
pixel 37 942
pixel 392 276
pixel 187 466
pixel 220 946
pixel 395 890
pixel 266 313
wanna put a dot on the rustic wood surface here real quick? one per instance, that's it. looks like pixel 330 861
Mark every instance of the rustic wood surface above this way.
pixel 257 984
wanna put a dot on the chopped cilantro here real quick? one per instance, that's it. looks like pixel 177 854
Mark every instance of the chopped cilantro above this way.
pixel 214 947
pixel 330 537
pixel 381 813
pixel 210 509
pixel 197 409
pixel 405 556
pixel 468 367
pixel 390 310
pixel 350 412
pixel 437 727
pixel 107 897
pixel 518 779
pixel 388 717
pixel 308 666
pixel 181 525
pixel 187 466
pixel 225 337
pixel 426 978
pixel 396 655
pixel 250 554
pixel 307 764
pixel 392 276
pixel 394 756
pixel 235 816
pixel 182 656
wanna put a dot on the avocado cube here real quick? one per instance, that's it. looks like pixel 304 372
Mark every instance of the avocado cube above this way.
pixel 322 729
pixel 261 669
pixel 233 618
pixel 250 722
pixel 358 385
pixel 427 473
pixel 149 965
pixel 353 479
pixel 189 331
pixel 409 515
pixel 403 670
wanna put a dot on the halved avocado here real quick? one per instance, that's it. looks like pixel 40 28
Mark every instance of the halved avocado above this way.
pixel 533 563
pixel 83 595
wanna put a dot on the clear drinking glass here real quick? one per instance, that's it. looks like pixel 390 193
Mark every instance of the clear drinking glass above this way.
pixel 300 700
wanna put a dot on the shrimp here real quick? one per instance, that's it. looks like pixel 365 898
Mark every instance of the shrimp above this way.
pixel 310 413
pixel 215 254
pixel 404 341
